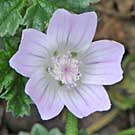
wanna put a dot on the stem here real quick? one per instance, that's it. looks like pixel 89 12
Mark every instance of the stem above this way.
pixel 71 124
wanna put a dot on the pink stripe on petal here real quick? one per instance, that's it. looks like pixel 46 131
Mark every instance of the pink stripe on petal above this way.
pixel 34 41
pixel 32 53
pixel 26 64
pixel 83 31
pixel 102 63
pixel 85 99
pixel 45 95
pixel 72 31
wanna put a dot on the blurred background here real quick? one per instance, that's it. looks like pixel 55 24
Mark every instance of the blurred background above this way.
pixel 116 22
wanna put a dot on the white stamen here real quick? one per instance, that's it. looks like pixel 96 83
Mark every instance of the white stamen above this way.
pixel 65 69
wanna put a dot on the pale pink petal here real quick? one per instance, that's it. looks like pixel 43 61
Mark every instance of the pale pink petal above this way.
pixel 102 63
pixel 32 52
pixel 33 41
pixel 45 95
pixel 85 99
pixel 72 31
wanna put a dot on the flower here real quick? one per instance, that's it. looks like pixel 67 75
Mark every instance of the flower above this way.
pixel 66 68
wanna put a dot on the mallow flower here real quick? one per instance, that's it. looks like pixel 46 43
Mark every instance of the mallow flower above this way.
pixel 64 66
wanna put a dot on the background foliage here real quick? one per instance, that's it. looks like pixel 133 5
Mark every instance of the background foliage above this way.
pixel 16 15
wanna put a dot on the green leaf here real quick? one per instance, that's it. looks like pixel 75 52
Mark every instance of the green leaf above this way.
pixel 121 100
pixel 83 132
pixel 17 101
pixel 75 5
pixel 37 16
pixel 94 1
pixel 39 13
pixel 129 74
pixel 126 132
pixel 55 131
pixel 10 17
pixel 123 93
pixel 39 130
pixel 11 83
pixel 23 133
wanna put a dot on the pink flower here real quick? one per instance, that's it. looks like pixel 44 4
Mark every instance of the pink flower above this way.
pixel 66 68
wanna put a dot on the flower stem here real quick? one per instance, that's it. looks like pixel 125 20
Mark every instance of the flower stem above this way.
pixel 71 124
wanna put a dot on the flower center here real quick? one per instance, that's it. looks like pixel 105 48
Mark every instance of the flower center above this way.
pixel 65 69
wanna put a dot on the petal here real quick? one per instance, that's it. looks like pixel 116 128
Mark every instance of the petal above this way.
pixel 102 63
pixel 72 30
pixel 33 39
pixel 85 99
pixel 32 52
pixel 44 95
